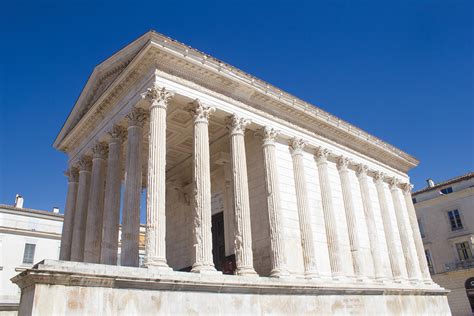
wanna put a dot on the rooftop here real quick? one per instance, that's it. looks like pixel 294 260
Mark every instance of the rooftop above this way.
pixel 437 186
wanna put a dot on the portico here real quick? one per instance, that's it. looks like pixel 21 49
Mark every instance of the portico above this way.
pixel 305 197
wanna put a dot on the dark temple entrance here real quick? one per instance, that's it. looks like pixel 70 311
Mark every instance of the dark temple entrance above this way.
pixel 218 241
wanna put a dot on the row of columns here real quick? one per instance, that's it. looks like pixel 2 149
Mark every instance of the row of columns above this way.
pixel 90 230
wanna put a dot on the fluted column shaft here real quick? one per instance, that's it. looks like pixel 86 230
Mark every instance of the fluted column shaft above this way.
pixel 332 234
pixel 113 183
pixel 202 188
pixel 243 231
pixel 406 236
pixel 351 219
pixel 133 187
pixel 95 209
pixel 155 246
pixel 397 261
pixel 277 253
pixel 304 216
pixel 66 236
pixel 420 249
pixel 370 221
pixel 80 214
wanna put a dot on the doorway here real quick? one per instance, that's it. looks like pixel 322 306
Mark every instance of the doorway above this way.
pixel 218 241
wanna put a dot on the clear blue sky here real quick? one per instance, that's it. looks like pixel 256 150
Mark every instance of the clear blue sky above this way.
pixel 401 70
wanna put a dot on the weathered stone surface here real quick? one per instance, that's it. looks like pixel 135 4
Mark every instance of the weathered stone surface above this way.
pixel 80 288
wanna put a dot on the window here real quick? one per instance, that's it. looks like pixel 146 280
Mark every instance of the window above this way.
pixel 464 250
pixel 29 253
pixel 429 261
pixel 422 229
pixel 446 190
pixel 413 200
pixel 455 220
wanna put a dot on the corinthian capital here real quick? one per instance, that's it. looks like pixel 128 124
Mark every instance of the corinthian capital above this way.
pixel 118 133
pixel 100 150
pixel 407 188
pixel 85 163
pixel 393 183
pixel 379 177
pixel 343 163
pixel 297 145
pixel 268 134
pixel 200 111
pixel 236 124
pixel 362 170
pixel 137 117
pixel 322 155
pixel 158 96
pixel 73 174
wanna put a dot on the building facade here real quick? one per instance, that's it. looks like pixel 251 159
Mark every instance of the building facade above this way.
pixel 274 205
pixel 26 237
pixel 446 217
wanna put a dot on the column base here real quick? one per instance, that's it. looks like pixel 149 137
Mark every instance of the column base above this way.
pixel 277 273
pixel 204 269
pixel 246 272
pixel 311 275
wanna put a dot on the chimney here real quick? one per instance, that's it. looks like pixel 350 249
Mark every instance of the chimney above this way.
pixel 56 210
pixel 430 183
pixel 18 201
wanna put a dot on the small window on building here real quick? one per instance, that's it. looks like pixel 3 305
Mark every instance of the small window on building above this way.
pixel 413 200
pixel 29 253
pixel 455 220
pixel 464 250
pixel 447 190
pixel 429 260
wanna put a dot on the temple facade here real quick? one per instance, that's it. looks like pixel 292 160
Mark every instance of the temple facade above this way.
pixel 256 201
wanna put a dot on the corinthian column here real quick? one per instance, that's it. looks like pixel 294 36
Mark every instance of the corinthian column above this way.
pixel 370 221
pixel 66 236
pixel 202 187
pixel 406 236
pixel 113 183
pixel 155 246
pixel 133 187
pixel 277 254
pixel 243 232
pixel 420 249
pixel 304 216
pixel 333 238
pixel 95 209
pixel 351 219
pixel 80 213
pixel 397 262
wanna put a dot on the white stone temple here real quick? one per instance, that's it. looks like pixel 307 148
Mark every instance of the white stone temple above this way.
pixel 256 201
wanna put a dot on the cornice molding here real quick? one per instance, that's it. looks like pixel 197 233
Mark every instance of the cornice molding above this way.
pixel 180 60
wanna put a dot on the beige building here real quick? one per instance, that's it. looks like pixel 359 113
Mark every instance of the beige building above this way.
pixel 445 213
pixel 257 202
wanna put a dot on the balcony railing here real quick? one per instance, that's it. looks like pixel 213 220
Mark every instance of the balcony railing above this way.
pixel 459 265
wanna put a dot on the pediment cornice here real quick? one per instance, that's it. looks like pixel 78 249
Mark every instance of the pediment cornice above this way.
pixel 155 50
